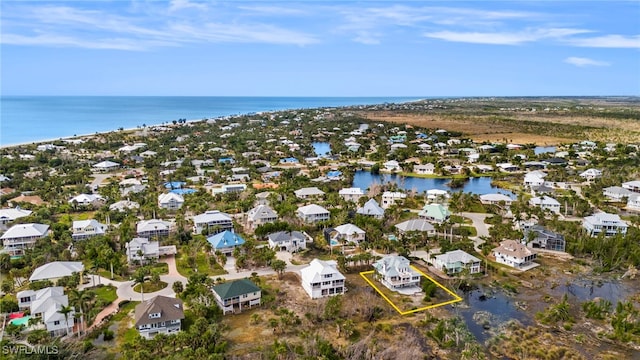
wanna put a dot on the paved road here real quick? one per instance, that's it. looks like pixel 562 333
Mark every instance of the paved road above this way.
pixel 124 289
pixel 482 229
pixel 98 179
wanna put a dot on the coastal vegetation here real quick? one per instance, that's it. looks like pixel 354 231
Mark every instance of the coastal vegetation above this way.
pixel 583 295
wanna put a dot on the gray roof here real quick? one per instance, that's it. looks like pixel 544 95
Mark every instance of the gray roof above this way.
pixel 310 191
pixel 261 212
pixel 371 208
pixel 169 309
pixel 25 231
pixel 390 265
pixel 56 269
pixel 415 225
pixel 12 214
pixel 457 256
pixel 284 236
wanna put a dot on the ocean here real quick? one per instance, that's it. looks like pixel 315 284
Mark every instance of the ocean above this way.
pixel 27 119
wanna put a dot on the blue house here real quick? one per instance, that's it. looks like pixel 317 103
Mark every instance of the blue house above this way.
pixel 289 160
pixel 225 242
pixel 226 160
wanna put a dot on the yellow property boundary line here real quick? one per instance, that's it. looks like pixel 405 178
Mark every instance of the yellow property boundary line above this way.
pixel 456 298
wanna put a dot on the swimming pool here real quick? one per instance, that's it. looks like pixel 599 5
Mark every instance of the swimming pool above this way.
pixel 21 321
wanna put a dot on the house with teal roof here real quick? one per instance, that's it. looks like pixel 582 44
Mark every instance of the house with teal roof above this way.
pixel 237 295
pixel 225 242
pixel 434 213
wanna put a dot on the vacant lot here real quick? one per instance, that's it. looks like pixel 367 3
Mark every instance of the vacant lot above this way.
pixel 523 128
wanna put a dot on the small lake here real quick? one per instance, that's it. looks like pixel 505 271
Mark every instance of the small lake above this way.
pixel 321 148
pixel 493 308
pixel 544 149
pixel 481 185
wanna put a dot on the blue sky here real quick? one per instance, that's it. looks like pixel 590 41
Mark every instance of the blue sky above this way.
pixel 320 48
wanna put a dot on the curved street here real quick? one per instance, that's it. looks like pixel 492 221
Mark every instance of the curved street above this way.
pixel 124 289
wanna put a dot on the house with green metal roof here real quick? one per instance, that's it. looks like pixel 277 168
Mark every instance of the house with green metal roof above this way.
pixel 434 213
pixel 237 295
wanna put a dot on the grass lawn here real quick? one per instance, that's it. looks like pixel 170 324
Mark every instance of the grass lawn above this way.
pixel 107 274
pixel 150 287
pixel 163 267
pixel 106 293
pixel 202 265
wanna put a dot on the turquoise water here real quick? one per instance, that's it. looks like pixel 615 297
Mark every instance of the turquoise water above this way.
pixel 21 321
pixel 25 119
pixel 480 186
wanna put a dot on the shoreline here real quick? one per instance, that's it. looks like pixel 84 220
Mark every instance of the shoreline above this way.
pixel 170 124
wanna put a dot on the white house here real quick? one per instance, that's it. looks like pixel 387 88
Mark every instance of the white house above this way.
pixel 495 199
pixel 395 272
pixel 235 295
pixel 392 166
pixel 213 221
pixel 170 201
pixel 260 215
pixel 124 205
pixel 56 270
pixel 546 203
pixel 349 233
pixel 287 241
pixel 45 304
pixel 454 262
pixel 390 198
pixel 87 200
pixel 159 315
pixel 351 194
pixel 435 213
pixel 153 228
pixel 609 224
pixel 534 178
pixel 23 236
pixel 591 174
pixel 514 254
pixel 322 279
pixel 617 193
pixel 421 225
pixel 424 169
pixel 105 166
pixel 371 208
pixel 11 214
pixel 632 186
pixel 310 192
pixel 313 213
pixel 141 249
pixel 634 203
pixel 84 229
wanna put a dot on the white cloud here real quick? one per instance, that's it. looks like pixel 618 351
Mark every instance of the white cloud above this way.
pixel 608 41
pixel 177 5
pixel 504 38
pixel 584 62
pixel 64 26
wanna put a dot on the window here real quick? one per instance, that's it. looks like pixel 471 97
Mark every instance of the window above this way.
pixel 56 322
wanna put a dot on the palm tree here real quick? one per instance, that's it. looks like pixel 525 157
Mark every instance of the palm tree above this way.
pixel 66 310
pixel 138 278
pixel 79 299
